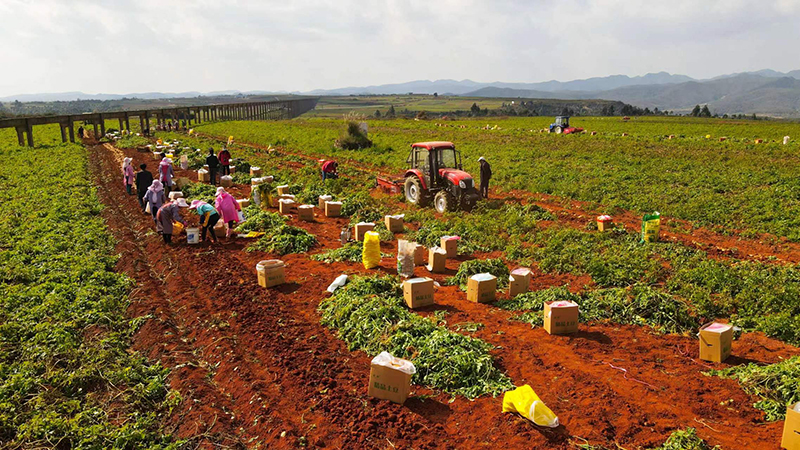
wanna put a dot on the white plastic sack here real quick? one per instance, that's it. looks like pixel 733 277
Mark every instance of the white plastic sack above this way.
pixel 385 359
pixel 340 281
pixel 483 277
pixel 405 258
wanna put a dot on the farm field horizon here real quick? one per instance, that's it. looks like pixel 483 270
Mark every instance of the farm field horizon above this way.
pixel 208 358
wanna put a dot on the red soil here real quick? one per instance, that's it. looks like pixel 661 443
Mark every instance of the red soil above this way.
pixel 256 369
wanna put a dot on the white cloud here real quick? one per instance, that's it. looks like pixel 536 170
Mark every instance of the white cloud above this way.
pixel 152 45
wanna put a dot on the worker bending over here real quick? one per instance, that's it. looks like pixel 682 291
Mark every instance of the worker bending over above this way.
pixel 330 169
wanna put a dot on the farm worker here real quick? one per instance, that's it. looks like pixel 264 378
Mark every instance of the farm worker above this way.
pixel 228 207
pixel 155 197
pixel 167 215
pixel 330 169
pixel 224 161
pixel 80 132
pixel 208 218
pixel 127 174
pixel 486 175
pixel 166 173
pixel 143 180
pixel 213 164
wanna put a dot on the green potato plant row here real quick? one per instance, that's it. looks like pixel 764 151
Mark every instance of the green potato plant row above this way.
pixel 67 373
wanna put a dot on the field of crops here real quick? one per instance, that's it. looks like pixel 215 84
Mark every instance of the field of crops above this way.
pixel 287 367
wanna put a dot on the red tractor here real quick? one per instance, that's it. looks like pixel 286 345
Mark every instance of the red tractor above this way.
pixel 435 174
pixel 561 125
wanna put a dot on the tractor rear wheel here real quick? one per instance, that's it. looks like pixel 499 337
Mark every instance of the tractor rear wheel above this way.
pixel 414 192
pixel 443 202
pixel 557 130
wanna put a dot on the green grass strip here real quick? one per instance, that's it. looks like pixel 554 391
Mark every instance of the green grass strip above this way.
pixel 68 378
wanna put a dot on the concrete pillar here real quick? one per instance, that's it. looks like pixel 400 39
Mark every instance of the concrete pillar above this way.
pixel 121 125
pixel 141 123
pixel 127 123
pixel 96 136
pixel 102 126
pixel 63 132
pixel 29 130
pixel 71 127
pixel 21 136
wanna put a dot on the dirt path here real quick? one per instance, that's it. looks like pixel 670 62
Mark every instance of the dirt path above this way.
pixel 257 370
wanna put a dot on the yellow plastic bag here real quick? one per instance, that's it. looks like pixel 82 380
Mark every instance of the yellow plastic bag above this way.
pixel 230 140
pixel 177 227
pixel 651 225
pixel 371 253
pixel 524 401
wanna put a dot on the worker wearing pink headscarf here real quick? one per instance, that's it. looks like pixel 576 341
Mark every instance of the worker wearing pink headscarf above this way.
pixel 228 207
pixel 155 197
pixel 127 173
pixel 165 173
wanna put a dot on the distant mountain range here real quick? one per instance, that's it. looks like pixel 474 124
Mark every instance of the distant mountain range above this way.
pixel 765 92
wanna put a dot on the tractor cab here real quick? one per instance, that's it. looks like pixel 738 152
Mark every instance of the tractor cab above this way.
pixel 431 159
pixel 435 172
pixel 561 123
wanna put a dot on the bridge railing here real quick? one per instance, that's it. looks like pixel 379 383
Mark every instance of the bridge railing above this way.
pixel 265 110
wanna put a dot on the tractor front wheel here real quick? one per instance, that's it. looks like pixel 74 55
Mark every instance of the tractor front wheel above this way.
pixel 414 192
pixel 443 202
pixel 557 130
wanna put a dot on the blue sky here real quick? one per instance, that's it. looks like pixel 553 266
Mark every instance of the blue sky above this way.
pixel 170 46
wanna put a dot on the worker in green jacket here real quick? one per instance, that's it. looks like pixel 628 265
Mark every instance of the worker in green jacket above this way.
pixel 208 218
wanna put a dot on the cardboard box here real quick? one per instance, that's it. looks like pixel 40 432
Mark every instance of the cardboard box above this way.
pixel 175 194
pixel 519 281
pixel 604 223
pixel 561 317
pixel 286 206
pixel 270 272
pixel 791 428
pixel 255 171
pixel 715 341
pixel 437 259
pixel 203 175
pixel 244 202
pixel 390 378
pixel 419 255
pixel 481 288
pixel 333 209
pixel 418 292
pixel 219 229
pixel 323 199
pixel 362 228
pixel 450 245
pixel 226 181
pixel 306 212
pixel 283 189
pixel 394 223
